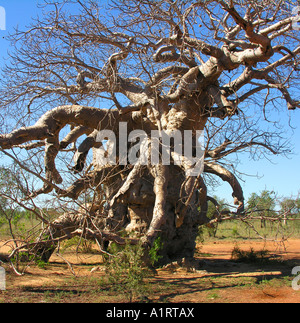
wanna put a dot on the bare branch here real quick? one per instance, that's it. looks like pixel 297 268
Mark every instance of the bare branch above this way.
pixel 227 176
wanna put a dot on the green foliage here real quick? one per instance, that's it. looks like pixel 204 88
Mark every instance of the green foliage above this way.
pixel 12 189
pixel 212 212
pixel 154 251
pixel 235 232
pixel 250 256
pixel 41 263
pixel 78 243
pixel 291 207
pixel 10 185
pixel 126 272
pixel 264 204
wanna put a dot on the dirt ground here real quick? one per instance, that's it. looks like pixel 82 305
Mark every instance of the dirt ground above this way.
pixel 217 279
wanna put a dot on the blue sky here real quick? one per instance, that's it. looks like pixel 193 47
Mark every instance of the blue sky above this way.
pixel 281 176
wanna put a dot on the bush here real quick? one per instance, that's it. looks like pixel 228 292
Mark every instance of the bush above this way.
pixel 126 272
pixel 250 256
pixel 154 251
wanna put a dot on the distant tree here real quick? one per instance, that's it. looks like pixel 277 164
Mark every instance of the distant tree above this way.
pixel 10 188
pixel 216 208
pixel 263 205
pixel 291 205
pixel 10 185
pixel 290 208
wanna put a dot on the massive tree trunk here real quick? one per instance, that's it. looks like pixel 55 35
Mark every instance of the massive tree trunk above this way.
pixel 148 200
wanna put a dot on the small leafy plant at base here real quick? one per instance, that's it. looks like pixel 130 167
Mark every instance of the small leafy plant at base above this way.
pixel 41 263
pixel 126 272
pixel 250 256
pixel 154 251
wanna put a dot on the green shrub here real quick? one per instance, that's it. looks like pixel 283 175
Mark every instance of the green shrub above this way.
pixel 125 271
pixel 154 251
pixel 250 256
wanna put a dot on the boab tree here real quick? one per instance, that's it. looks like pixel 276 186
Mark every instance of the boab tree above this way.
pixel 221 67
